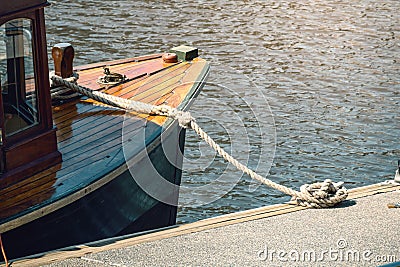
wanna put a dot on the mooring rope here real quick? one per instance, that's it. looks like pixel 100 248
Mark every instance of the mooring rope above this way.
pixel 3 252
pixel 317 195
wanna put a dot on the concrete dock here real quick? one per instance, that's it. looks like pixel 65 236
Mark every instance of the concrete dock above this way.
pixel 362 231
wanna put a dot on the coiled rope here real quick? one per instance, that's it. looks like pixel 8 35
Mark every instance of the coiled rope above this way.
pixel 317 195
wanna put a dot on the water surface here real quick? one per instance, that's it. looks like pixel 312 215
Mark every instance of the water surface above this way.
pixel 300 90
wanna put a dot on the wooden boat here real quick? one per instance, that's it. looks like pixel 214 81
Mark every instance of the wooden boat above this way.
pixel 75 170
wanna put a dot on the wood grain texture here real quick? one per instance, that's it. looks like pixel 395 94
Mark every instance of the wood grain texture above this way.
pixel 89 134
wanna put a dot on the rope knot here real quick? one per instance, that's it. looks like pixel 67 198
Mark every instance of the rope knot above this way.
pixel 60 89
pixel 184 118
pixel 321 195
pixel 56 80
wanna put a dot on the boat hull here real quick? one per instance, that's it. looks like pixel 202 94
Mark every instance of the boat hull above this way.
pixel 118 207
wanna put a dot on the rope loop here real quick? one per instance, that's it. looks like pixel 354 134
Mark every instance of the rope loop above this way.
pixel 321 194
pixel 61 91
pixel 317 195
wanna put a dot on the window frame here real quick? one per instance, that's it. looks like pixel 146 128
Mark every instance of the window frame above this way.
pixel 24 107
pixel 40 68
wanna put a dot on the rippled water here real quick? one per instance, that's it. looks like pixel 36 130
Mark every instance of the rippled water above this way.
pixel 300 90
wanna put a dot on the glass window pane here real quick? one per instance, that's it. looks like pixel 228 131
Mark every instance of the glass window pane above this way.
pixel 17 76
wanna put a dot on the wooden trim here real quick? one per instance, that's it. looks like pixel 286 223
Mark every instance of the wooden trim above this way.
pixel 117 62
pixel 42 71
pixel 14 8
pixel 27 151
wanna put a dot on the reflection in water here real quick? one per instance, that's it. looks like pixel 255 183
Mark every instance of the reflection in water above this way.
pixel 329 72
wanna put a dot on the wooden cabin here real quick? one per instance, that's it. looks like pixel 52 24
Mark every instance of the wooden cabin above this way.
pixel 28 136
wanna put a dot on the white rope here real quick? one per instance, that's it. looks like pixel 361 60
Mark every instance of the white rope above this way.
pixel 317 195
pixel 63 92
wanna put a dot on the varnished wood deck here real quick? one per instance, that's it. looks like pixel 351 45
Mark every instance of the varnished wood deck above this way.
pixel 90 135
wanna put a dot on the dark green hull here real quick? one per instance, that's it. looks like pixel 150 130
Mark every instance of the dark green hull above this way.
pixel 118 207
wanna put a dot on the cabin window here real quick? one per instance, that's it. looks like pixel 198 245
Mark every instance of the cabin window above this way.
pixel 17 76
